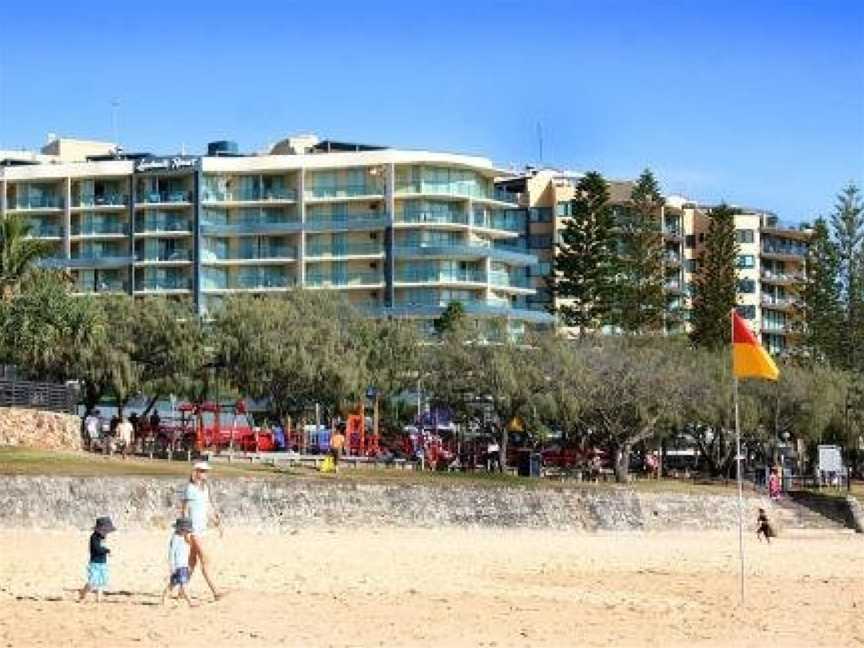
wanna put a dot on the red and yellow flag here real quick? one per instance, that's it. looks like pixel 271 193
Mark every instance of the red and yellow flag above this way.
pixel 749 359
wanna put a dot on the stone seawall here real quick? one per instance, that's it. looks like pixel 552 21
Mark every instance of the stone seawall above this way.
pixel 279 504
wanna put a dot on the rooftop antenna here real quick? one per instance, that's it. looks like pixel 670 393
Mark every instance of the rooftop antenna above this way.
pixel 540 141
pixel 115 110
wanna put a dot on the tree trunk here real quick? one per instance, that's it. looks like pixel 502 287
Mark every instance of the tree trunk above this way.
pixel 622 462
pixel 502 448
pixel 150 405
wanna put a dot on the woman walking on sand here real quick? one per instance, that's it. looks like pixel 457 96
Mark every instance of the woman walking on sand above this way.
pixel 197 507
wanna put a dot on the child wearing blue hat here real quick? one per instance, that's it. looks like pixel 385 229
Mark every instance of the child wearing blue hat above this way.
pixel 97 568
pixel 178 559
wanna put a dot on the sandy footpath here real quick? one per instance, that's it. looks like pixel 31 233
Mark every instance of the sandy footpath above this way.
pixel 451 587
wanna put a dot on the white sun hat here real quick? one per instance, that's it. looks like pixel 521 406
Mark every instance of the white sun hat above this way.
pixel 201 465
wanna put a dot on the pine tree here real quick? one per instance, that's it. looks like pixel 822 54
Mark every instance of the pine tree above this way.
pixel 639 295
pixel 716 283
pixel 847 223
pixel 820 314
pixel 584 268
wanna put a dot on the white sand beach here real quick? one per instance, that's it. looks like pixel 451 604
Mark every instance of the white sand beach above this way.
pixel 450 587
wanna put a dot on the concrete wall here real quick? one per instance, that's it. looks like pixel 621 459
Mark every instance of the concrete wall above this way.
pixel 283 504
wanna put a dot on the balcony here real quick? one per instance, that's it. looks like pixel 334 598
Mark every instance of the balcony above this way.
pixel 344 191
pixel 163 256
pixel 499 222
pixel 771 247
pixel 250 195
pixel 104 259
pixel 440 276
pixel 164 283
pixel 249 226
pixel 102 286
pixel 433 218
pixel 671 259
pixel 506 280
pixel 266 253
pixel 252 282
pixel 448 249
pixel 35 202
pixel 102 200
pixel 106 228
pixel 783 278
pixel 778 303
pixel 774 327
pixel 162 225
pixel 46 230
pixel 347 222
pixel 433 306
pixel 322 250
pixel 164 197
pixel 351 279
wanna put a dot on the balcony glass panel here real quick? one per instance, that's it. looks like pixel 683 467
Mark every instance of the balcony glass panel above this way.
pixel 100 200
pixel 157 222
pixel 94 226
pixel 781 246
pixel 429 275
pixel 323 279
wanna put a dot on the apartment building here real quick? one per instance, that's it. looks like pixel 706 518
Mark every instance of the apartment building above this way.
pixel 545 198
pixel 400 233
pixel 771 262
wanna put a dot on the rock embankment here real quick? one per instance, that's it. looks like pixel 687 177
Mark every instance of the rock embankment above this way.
pixel 39 429
pixel 274 504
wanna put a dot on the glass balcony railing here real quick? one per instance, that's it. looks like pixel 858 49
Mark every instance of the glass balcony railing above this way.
pixel 779 302
pixel 162 224
pixel 164 283
pixel 671 258
pixel 46 230
pixel 500 222
pixel 252 282
pixel 445 188
pixel 436 276
pixel 249 225
pixel 787 248
pixel 344 191
pixel 249 195
pixel 102 286
pixel 267 252
pixel 95 229
pixel 155 197
pixel 345 220
pixel 153 256
pixel 506 196
pixel 773 327
pixel 102 200
pixel 36 202
pixel 337 250
pixel 782 277
pixel 432 217
pixel 321 280
pixel 505 279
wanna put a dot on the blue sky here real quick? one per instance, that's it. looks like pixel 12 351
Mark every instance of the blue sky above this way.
pixel 758 103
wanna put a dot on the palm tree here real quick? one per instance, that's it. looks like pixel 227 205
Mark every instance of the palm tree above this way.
pixel 18 252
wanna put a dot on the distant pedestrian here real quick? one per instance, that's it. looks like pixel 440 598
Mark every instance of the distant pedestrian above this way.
pixel 764 527
pixel 774 484
pixel 124 435
pixel 97 568
pixel 337 445
pixel 493 455
pixel 179 549
pixel 197 507
pixel 91 429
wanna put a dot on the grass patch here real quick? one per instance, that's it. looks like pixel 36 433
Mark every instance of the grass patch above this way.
pixel 26 461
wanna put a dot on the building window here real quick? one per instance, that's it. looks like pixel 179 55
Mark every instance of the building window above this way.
pixel 691 265
pixel 747 286
pixel 690 241
pixel 746 261
pixel 744 235
pixel 564 209
pixel 540 214
pixel 540 241
pixel 747 312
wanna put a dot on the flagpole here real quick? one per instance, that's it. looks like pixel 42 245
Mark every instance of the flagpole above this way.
pixel 738 464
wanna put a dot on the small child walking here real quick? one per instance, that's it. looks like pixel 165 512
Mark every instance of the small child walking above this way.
pixel 178 558
pixel 764 527
pixel 97 568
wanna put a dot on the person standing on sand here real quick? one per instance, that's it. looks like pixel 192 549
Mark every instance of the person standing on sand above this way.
pixel 197 507
pixel 124 435
pixel 97 568
pixel 178 560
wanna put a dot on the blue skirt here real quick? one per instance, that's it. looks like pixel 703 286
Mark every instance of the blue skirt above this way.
pixel 97 575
